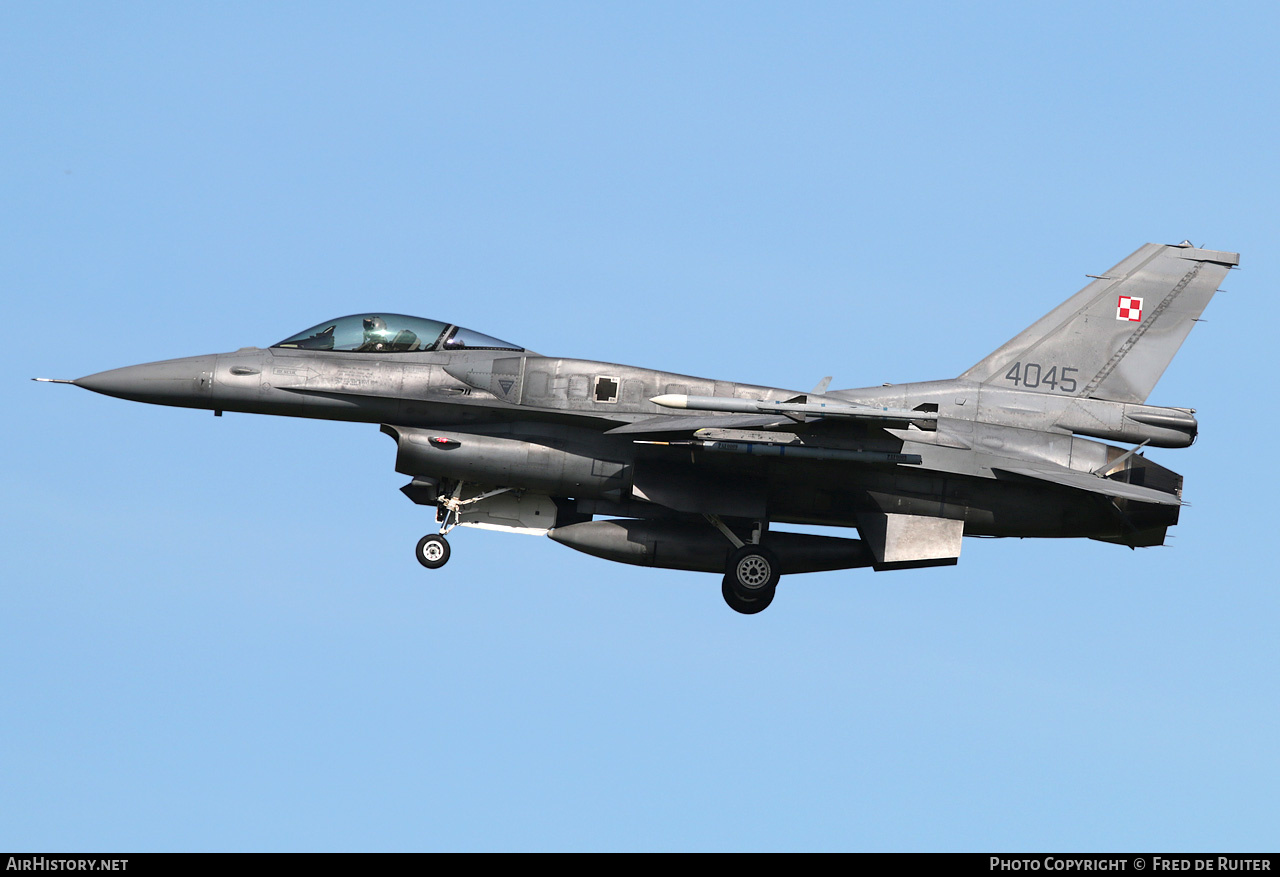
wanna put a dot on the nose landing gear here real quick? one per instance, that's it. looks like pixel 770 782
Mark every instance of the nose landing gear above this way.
pixel 433 549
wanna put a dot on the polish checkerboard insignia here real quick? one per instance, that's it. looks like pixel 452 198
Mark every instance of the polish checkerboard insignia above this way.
pixel 1129 308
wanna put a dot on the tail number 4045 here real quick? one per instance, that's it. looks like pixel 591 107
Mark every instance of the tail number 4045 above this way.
pixel 1032 375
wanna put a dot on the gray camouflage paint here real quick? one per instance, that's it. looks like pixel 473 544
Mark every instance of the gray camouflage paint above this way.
pixel 1009 448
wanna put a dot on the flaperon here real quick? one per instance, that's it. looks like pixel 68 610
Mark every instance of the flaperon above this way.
pixel 668 470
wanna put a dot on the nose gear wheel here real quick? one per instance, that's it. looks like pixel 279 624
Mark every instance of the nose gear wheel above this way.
pixel 433 551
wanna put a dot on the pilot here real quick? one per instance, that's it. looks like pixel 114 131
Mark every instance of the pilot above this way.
pixel 376 335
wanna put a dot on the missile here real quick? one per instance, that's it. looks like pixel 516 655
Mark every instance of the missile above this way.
pixel 761 449
pixel 794 451
pixel 792 409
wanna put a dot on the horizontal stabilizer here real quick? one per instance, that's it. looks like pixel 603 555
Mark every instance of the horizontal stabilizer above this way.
pixel 1092 484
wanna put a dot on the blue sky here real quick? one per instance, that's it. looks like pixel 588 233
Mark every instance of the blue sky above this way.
pixel 216 636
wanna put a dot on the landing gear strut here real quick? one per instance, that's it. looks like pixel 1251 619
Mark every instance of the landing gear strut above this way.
pixel 433 549
pixel 752 573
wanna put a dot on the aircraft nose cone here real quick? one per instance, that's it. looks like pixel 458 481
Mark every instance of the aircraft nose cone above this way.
pixel 171 382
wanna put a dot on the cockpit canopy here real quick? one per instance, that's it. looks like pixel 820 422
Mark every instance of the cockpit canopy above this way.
pixel 390 333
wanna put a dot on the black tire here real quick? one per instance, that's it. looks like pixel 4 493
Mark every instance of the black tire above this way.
pixel 745 605
pixel 753 571
pixel 433 551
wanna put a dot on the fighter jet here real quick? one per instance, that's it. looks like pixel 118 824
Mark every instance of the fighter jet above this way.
pixel 679 472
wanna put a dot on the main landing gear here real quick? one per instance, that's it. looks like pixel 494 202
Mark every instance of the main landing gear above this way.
pixel 752 573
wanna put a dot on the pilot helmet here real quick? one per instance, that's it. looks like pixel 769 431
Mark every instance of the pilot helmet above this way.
pixel 376 334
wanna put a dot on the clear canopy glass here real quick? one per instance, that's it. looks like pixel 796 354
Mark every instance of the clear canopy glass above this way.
pixel 390 333
pixel 466 339
pixel 370 333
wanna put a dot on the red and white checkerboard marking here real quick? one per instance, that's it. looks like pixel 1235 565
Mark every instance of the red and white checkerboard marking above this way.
pixel 1129 309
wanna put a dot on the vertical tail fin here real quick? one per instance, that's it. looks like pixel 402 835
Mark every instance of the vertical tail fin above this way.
pixel 1114 338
